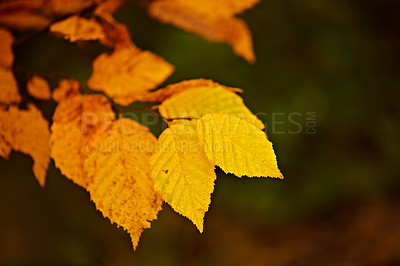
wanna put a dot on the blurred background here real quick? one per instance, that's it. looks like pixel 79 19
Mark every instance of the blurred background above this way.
pixel 326 83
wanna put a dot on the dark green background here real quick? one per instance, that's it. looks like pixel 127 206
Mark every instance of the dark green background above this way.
pixel 336 58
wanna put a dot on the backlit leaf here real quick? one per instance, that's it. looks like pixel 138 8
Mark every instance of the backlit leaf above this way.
pixel 223 8
pixel 182 174
pixel 120 182
pixel 26 131
pixel 237 146
pixel 75 121
pixel 199 99
pixel 128 71
pixel 213 21
pixel 38 88
pixel 76 28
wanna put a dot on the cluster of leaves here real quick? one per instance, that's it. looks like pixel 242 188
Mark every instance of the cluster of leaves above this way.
pixel 128 172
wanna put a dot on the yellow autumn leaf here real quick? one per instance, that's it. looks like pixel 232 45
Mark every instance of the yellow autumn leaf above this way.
pixel 182 174
pixel 222 8
pixel 75 121
pixel 237 146
pixel 38 88
pixel 128 71
pixel 120 183
pixel 8 87
pixel 76 28
pixel 26 131
pixel 200 99
pixel 213 20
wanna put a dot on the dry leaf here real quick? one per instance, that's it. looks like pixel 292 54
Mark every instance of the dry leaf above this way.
pixel 75 121
pixel 213 20
pixel 182 173
pixel 127 72
pixel 237 146
pixel 76 28
pixel 197 100
pixel 120 182
pixel 26 131
pixel 8 87
pixel 38 88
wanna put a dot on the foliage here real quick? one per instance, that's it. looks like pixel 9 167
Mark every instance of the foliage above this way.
pixel 126 170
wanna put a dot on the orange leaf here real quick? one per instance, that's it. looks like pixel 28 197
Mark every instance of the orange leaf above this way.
pixel 224 8
pixel 213 20
pixel 118 168
pixel 6 53
pixel 8 87
pixel 38 88
pixel 26 131
pixel 161 95
pixel 75 121
pixel 76 28
pixel 128 72
pixel 65 88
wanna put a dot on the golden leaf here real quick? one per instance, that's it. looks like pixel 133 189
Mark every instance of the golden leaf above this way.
pixel 213 20
pixel 128 71
pixel 120 182
pixel 6 53
pixel 26 131
pixel 237 146
pixel 182 174
pixel 65 88
pixel 76 28
pixel 8 87
pixel 38 88
pixel 161 95
pixel 75 121
pixel 224 8
pixel 199 99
